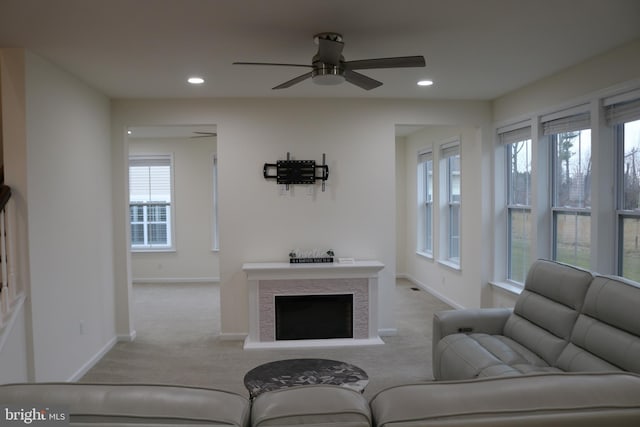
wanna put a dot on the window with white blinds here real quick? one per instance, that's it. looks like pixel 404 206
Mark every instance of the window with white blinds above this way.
pixel 570 136
pixel 150 195
pixel 517 142
pixel 425 203
pixel 451 165
pixel 622 112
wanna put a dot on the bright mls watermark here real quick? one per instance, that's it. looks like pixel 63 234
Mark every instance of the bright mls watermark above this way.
pixel 40 416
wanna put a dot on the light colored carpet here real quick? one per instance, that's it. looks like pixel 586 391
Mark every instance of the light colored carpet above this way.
pixel 178 343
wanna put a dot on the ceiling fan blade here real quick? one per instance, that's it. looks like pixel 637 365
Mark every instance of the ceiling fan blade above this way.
pixel 272 63
pixel 204 134
pixel 360 80
pixel 329 51
pixel 395 62
pixel 291 82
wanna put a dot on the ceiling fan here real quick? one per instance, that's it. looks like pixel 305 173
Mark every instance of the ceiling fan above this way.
pixel 328 66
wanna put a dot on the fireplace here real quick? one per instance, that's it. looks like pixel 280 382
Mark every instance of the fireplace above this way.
pixel 312 305
pixel 304 317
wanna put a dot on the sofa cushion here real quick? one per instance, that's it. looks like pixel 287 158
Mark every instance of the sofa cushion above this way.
pixel 605 336
pixel 547 309
pixel 614 301
pixel 313 405
pixel 464 356
pixel 611 399
pixel 559 282
pixel 537 339
pixel 139 404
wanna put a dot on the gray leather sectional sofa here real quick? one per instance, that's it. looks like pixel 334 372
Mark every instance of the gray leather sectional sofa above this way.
pixel 568 354
pixel 565 320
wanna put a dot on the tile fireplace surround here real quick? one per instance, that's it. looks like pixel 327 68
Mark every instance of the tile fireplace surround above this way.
pixel 271 279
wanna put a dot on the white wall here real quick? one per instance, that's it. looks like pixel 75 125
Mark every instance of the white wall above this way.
pixel 193 259
pixel 599 73
pixel 459 287
pixel 401 207
pixel 356 216
pixel 69 221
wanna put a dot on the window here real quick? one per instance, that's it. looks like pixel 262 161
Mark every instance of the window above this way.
pixel 150 208
pixel 425 203
pixel 571 189
pixel 625 117
pixel 450 162
pixel 518 201
pixel 215 239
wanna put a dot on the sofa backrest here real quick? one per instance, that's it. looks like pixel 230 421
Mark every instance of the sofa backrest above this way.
pixel 547 309
pixel 607 332
pixel 153 405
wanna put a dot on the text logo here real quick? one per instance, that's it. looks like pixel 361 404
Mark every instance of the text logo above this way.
pixel 40 416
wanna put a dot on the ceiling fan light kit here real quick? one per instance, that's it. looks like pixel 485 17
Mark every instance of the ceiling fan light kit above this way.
pixel 328 66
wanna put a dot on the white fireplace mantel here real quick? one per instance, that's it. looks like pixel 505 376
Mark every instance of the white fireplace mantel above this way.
pixel 267 279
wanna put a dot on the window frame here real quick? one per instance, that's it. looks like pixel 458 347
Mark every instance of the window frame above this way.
pixel 557 210
pixel 448 205
pixel 621 212
pixel 215 231
pixel 170 207
pixel 512 207
pixel 425 203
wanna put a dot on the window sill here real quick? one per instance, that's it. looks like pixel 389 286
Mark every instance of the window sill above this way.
pixel 450 264
pixel 151 250
pixel 426 255
pixel 510 287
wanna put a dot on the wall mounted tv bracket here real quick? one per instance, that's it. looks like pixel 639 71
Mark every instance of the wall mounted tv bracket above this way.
pixel 289 171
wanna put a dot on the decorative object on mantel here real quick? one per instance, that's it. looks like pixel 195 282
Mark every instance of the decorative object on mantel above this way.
pixel 297 256
pixel 289 171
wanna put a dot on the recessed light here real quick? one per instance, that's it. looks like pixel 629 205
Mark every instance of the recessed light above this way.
pixel 195 80
pixel 425 83
pixel 129 132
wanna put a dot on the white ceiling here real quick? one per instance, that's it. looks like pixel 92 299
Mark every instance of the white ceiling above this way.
pixel 474 49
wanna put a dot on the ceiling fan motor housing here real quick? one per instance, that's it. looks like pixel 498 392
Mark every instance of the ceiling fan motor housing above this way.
pixel 327 74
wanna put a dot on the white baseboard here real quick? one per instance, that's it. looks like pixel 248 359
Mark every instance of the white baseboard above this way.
pixel 388 332
pixel 173 280
pixel 127 338
pixel 434 292
pixel 93 360
pixel 230 336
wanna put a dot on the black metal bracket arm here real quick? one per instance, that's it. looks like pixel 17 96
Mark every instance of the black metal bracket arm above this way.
pixel 289 171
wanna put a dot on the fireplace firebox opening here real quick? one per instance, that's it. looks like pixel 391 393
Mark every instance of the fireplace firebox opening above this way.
pixel 304 317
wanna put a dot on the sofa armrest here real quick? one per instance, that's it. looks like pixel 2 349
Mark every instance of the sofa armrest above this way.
pixel 482 320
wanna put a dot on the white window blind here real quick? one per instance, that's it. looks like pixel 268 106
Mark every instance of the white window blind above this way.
pixel 150 179
pixel 450 150
pixel 570 123
pixel 150 207
pixel 514 135
pixel 622 112
pixel 424 156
